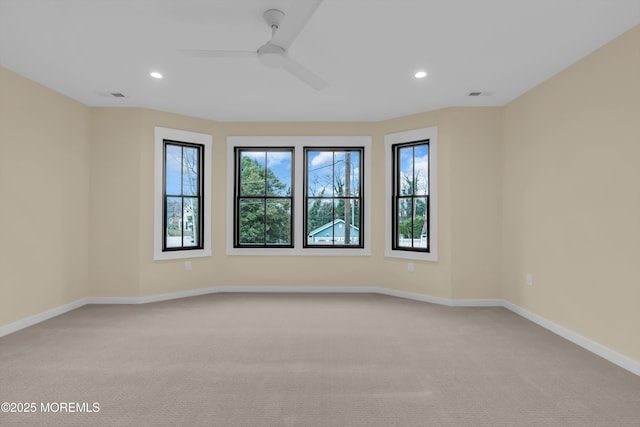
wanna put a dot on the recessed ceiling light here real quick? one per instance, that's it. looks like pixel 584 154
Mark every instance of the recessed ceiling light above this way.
pixel 420 75
pixel 156 75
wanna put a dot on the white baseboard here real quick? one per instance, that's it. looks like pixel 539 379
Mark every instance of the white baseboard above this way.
pixel 590 345
pixel 439 300
pixel 228 289
pixel 584 342
pixel 301 289
pixel 41 317
pixel 114 300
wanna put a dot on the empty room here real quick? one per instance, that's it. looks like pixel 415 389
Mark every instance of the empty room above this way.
pixel 320 213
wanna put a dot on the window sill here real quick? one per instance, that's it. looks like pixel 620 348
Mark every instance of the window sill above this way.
pixel 196 253
pixel 418 256
pixel 298 252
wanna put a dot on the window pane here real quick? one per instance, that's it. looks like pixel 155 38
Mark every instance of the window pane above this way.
pixel 345 173
pixel 419 211
pixel 279 173
pixel 339 173
pixel 354 176
pixel 183 185
pixel 346 231
pixel 405 178
pixel 190 171
pixel 411 189
pixel 252 222
pixel 424 232
pixel 173 231
pixel 173 169
pixel 319 221
pixel 252 173
pixel 190 222
pixel 264 215
pixel 404 216
pixel 333 216
pixel 421 153
pixel 320 173
pixel 278 227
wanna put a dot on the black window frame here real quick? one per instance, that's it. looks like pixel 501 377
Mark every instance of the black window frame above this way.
pixel 199 197
pixel 396 196
pixel 360 198
pixel 237 197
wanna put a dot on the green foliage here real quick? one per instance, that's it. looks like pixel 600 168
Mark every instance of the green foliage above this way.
pixel 405 227
pixel 320 213
pixel 253 182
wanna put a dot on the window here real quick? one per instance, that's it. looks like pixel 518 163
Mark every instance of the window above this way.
pixel 282 189
pixel 183 220
pixel 410 202
pixel 264 197
pixel 411 190
pixel 333 197
pixel 182 194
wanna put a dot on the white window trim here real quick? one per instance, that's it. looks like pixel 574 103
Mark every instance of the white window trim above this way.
pixel 430 133
pixel 162 134
pixel 298 143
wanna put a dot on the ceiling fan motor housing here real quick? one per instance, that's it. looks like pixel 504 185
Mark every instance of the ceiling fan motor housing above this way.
pixel 269 54
pixel 272 56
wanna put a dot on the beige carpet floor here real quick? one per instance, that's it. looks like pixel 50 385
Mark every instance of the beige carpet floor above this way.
pixel 307 360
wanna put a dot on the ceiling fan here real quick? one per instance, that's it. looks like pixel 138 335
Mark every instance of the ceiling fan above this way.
pixel 273 54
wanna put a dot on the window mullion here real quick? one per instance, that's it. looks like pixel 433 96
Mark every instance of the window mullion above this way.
pixel 266 194
pixel 414 191
pixel 181 193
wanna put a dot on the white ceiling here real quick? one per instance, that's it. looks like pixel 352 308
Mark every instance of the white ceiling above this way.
pixel 368 51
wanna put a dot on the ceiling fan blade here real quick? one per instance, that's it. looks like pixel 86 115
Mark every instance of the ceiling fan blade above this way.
pixel 294 21
pixel 304 74
pixel 204 53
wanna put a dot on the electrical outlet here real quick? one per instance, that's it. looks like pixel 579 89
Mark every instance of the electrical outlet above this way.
pixel 529 279
pixel 410 267
pixel 187 266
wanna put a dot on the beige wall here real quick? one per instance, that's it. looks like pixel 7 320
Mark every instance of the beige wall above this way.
pixel 122 258
pixel 44 202
pixel 547 184
pixel 571 190
pixel 115 159
pixel 476 198
pixel 430 278
pixel 469 200
pixel 223 270
pixel 124 274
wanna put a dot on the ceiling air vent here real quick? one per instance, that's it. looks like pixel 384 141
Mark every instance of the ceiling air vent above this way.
pixel 118 95
pixel 478 93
